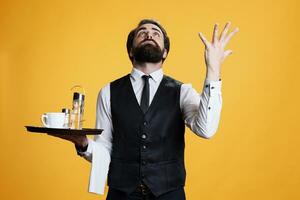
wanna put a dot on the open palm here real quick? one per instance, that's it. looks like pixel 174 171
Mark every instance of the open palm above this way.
pixel 215 52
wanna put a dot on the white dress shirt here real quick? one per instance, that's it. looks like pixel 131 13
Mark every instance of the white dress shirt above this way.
pixel 201 113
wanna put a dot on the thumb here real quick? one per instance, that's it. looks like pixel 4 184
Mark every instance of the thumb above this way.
pixel 227 53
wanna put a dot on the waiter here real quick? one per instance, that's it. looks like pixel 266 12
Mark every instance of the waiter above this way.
pixel 141 150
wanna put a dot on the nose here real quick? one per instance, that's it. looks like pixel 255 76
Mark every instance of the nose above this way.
pixel 148 35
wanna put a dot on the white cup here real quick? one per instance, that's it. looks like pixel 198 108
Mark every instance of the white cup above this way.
pixel 53 120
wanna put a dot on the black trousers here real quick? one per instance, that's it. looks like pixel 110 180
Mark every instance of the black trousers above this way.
pixel 114 194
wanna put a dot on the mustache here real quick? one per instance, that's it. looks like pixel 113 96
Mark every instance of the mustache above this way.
pixel 149 40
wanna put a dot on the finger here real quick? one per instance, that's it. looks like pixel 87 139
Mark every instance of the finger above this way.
pixel 215 34
pixel 225 30
pixel 227 53
pixel 65 137
pixel 227 39
pixel 204 40
pixel 57 135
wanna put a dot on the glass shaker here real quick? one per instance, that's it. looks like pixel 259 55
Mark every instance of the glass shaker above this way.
pixel 76 117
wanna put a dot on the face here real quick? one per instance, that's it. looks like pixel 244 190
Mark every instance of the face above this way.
pixel 148 44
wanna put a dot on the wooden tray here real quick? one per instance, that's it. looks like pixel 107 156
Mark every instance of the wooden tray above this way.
pixel 64 131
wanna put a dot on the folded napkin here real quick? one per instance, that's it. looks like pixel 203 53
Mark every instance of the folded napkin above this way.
pixel 100 166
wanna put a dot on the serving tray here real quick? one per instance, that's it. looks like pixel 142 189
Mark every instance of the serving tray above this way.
pixel 64 131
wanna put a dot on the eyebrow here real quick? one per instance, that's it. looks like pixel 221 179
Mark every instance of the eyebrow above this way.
pixel 153 28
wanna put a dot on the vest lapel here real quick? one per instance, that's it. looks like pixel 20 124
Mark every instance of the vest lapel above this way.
pixel 157 95
pixel 132 94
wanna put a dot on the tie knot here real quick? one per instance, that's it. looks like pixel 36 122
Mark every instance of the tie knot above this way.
pixel 146 77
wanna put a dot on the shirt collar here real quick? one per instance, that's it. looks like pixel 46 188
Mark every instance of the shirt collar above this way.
pixel 156 75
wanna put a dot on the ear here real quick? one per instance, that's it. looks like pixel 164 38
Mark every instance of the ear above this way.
pixel 130 53
pixel 165 53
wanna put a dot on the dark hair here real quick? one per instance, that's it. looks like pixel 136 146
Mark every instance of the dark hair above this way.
pixel 132 33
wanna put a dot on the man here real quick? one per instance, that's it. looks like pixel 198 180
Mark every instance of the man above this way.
pixel 143 114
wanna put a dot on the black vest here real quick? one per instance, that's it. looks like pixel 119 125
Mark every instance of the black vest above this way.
pixel 147 147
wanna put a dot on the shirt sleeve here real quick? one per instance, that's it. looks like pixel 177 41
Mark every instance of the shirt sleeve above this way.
pixel 201 112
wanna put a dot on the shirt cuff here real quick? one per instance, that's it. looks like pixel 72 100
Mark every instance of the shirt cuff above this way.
pixel 212 87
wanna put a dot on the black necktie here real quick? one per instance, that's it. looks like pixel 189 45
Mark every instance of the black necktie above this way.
pixel 145 94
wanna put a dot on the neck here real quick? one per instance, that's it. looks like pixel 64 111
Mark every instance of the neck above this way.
pixel 146 67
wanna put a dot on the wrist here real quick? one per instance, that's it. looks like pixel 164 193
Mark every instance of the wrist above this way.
pixel 82 143
pixel 81 148
pixel 213 75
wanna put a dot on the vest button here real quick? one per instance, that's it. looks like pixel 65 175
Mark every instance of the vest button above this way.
pixel 145 123
pixel 144 136
pixel 144 147
pixel 144 162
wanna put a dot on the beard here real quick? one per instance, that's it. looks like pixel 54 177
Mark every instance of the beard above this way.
pixel 148 53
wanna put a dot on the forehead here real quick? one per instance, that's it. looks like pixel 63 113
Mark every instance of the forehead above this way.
pixel 148 26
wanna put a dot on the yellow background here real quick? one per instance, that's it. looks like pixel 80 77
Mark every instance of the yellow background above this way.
pixel 48 46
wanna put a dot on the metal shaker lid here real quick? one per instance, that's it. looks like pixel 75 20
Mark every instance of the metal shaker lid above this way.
pixel 78 96
pixel 66 110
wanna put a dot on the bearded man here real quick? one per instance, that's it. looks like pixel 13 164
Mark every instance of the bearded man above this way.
pixel 141 150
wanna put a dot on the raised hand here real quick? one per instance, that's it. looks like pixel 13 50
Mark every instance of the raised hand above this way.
pixel 214 51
